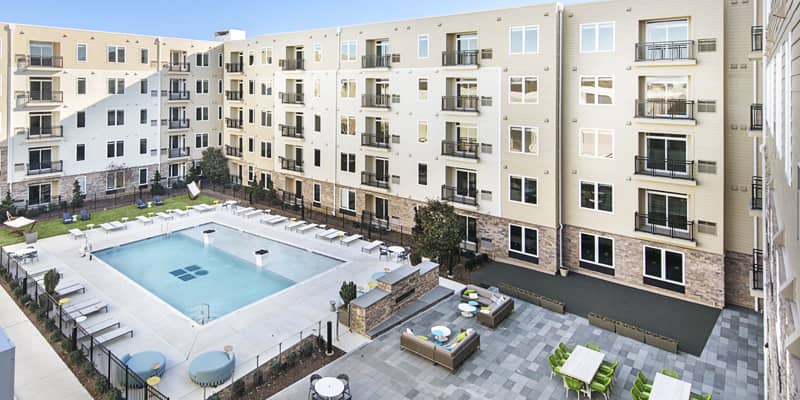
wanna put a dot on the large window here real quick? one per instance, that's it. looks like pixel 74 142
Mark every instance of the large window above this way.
pixel 317 192
pixel 347 200
pixel 115 149
pixel 666 95
pixel 348 88
pixel 116 86
pixel 469 231
pixel 523 139
pixel 667 210
pixel 347 162
pixel 523 39
pixel 523 242
pixel 115 180
pixel 116 117
pixel 596 90
pixel 39 194
pixel 522 189
pixel 597 196
pixel 661 265
pixel 423 43
pixel 201 140
pixel 115 54
pixel 596 250
pixel 523 90
pixel 348 125
pixel 666 153
pixel 596 142
pixel 667 31
pixel 201 86
pixel 143 146
pixel 348 50
pixel 597 37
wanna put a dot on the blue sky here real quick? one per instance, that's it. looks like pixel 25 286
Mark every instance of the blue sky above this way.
pixel 198 19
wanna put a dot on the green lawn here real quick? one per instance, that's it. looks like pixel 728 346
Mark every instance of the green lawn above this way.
pixel 55 227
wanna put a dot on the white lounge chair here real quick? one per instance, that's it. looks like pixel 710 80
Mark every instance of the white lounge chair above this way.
pixel 144 220
pixel 325 233
pixel 346 241
pixel 333 235
pixel 77 233
pixel 118 225
pixel 294 225
pixel 242 210
pixel 202 207
pixel 108 227
pixel 116 333
pixel 306 228
pixel 88 310
pixel 253 213
pixel 70 289
pixel 272 220
pixel 181 213
pixel 371 246
pixel 100 325
pixel 70 307
pixel 164 215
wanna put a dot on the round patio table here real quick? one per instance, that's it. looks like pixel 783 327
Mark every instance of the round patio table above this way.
pixel 329 388
pixel 396 249
pixel 467 310
pixel 440 333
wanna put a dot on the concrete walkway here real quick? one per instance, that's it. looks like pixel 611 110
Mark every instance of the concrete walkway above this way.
pixel 40 372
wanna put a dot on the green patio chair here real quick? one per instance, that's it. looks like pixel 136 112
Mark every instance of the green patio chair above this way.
pixel 561 355
pixel 609 369
pixel 642 388
pixel 698 396
pixel 638 395
pixel 564 348
pixel 593 346
pixel 572 384
pixel 640 383
pixel 602 388
pixel 554 366
pixel 641 377
pixel 671 373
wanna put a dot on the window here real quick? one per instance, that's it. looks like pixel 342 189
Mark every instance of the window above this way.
pixel 348 50
pixel 201 113
pixel 116 86
pixel 596 196
pixel 666 153
pixel 667 31
pixel 115 149
pixel 523 39
pixel 144 56
pixel 201 59
pixel 316 87
pixel 347 200
pixel 263 118
pixel 422 131
pixel 596 143
pixel 201 140
pixel 422 89
pixel 251 87
pixel 115 180
pixel 80 119
pixel 597 90
pixel 220 59
pixel 143 116
pixel 596 250
pixel 250 173
pixel 523 90
pixel 116 117
pixel 80 152
pixel 422 174
pixel 668 210
pixel 523 139
pixel 349 88
pixel 348 125
pixel 663 265
pixel 143 146
pixel 269 118
pixel 219 112
pixel 142 176
pixel 201 86
pixel 39 194
pixel 251 144
pixel 264 149
pixel 317 123
pixel 251 116
pixel 597 37
pixel 317 52
pixel 251 58
pixel 522 189
pixel 266 55
pixel 317 193
pixel 348 162
pixel 143 86
pixel 269 150
pixel 317 157
pixel 81 85
pixel 81 52
pixel 115 54
pixel 523 241
pixel 269 88
pixel 422 46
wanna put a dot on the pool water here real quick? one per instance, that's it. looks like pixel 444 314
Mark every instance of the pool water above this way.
pixel 205 282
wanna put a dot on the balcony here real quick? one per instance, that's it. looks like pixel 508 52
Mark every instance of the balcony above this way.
pixel 665 51
pixel 27 61
pixel 458 195
pixel 373 61
pixel 757 274
pixel 178 124
pixel 371 179
pixel 756 200
pixel 291 165
pixel 233 123
pixel 42 132
pixel 756 117
pixel 460 148
pixel 665 109
pixel 178 67
pixel 233 95
pixel 673 169
pixel 292 98
pixel 44 167
pixel 373 140
pixel 661 225
pixel 177 152
pixel 459 58
pixel 290 64
pixel 460 103
pixel 234 68
pixel 757 38
pixel 376 100
pixel 178 96
pixel 231 151
pixel 40 97
pixel 291 131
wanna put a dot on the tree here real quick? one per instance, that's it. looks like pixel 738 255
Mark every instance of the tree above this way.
pixel 192 175
pixel 214 165
pixel 348 292
pixel 437 232
pixel 51 279
pixel 7 206
pixel 77 196
pixel 257 191
pixel 156 188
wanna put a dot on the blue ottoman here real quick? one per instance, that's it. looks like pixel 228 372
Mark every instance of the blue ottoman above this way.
pixel 142 364
pixel 212 368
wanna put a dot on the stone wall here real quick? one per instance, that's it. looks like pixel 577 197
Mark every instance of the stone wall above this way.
pixel 737 279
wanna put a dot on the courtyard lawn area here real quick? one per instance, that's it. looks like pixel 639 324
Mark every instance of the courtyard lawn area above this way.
pixel 56 226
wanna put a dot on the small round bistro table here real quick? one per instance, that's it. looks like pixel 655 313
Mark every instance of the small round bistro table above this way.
pixel 440 333
pixel 329 388
pixel 467 310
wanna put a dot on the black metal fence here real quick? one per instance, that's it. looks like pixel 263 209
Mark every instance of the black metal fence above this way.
pixel 676 227
pixel 665 109
pixel 76 339
pixel 665 51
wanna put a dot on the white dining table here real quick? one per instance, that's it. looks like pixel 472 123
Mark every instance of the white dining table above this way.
pixel 396 249
pixel 582 364
pixel 329 388
pixel 668 388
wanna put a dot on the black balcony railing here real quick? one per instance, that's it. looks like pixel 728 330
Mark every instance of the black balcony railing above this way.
pixel 464 57
pixel 234 67
pixel 665 51
pixel 44 167
pixel 291 165
pixel 235 179
pixel 756 117
pixel 179 96
pixel 178 124
pixel 757 38
pixel 291 64
pixel 233 95
pixel 233 123
pixel 373 61
pixel 48 96
pixel 670 226
pixel 371 179
pixel 176 152
pixel 757 278
pixel 42 132
pixel 756 199
pixel 460 148
pixel 675 169
pixel 460 195
pixel 373 140
pixel 460 103
pixel 292 98
pixel 291 131
pixel 665 109
pixel 28 61
pixel 376 100
pixel 233 151
pixel 178 67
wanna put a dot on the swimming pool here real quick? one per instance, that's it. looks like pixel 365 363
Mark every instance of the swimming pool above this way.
pixel 205 282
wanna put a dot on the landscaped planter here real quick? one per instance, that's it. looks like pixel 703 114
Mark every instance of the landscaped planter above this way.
pixel 553 305
pixel 602 322
pixel 630 331
pixel 662 342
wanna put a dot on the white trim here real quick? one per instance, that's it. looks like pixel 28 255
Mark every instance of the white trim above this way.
pixel 664 265
pixel 596 196
pixel 524 27
pixel 522 94
pixel 522 194
pixel 116 54
pixel 348 43
pixel 534 130
pixel 523 228
pixel 597 143
pixel 581 100
pixel 647 192
pixel 428 40
pixel 597 37
pixel 597 249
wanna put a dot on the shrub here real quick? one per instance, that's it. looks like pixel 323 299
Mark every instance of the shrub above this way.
pixel 415 258
pixel 214 396
pixel 101 384
pixel 276 368
pixel 51 279
pixel 306 349
pixel 347 292
pixel 483 258
pixel 113 394
pixel 66 345
pixel 88 365
pixel 237 389
pixel 50 325
pixel 470 264
pixel 19 292
pixel 291 360
pixel 41 315
pixel 26 298
pixel 75 357
pixel 258 378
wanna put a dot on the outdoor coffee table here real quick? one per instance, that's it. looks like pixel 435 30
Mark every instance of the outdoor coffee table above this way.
pixel 440 333
pixel 467 310
pixel 329 388
pixel 669 388
pixel 583 364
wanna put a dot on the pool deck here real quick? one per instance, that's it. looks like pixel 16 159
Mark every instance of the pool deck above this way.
pixel 253 330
